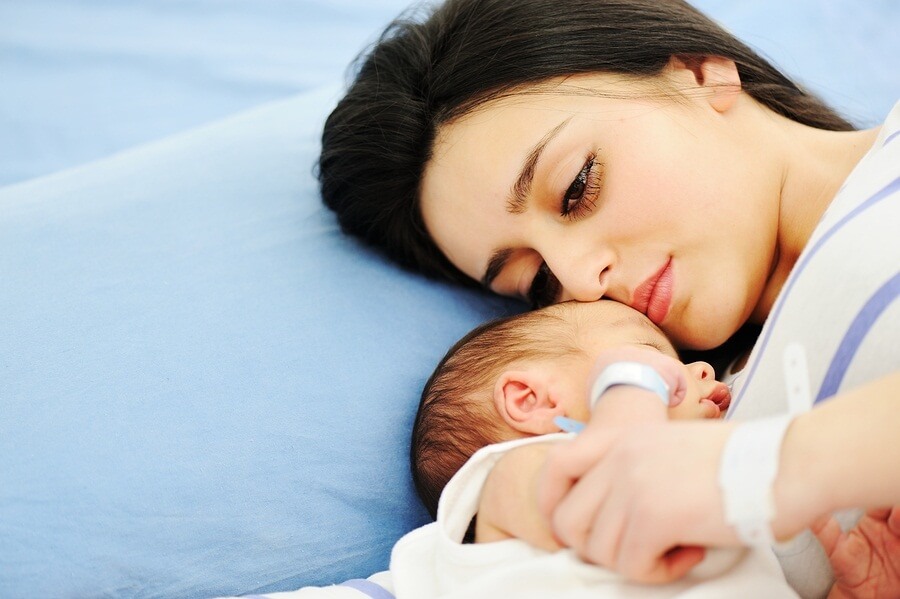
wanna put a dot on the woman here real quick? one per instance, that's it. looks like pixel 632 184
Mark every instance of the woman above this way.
pixel 634 150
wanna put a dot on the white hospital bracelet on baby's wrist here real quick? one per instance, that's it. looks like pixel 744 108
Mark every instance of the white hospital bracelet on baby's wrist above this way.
pixel 636 374
pixel 747 474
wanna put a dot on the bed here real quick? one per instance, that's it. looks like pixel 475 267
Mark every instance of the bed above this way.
pixel 205 389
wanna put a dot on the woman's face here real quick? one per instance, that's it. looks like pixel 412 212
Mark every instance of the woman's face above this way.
pixel 666 206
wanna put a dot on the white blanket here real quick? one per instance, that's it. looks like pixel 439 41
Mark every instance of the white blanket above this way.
pixel 432 562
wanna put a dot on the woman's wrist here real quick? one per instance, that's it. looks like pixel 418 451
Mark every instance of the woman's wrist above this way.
pixel 748 467
pixel 801 489
pixel 772 478
pixel 841 454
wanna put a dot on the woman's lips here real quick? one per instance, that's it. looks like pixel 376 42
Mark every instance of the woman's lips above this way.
pixel 654 296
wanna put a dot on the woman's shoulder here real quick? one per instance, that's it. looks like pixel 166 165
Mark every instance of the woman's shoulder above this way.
pixel 835 308
pixel 874 177
pixel 891 126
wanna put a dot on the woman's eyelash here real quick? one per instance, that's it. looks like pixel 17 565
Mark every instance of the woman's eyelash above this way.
pixel 577 201
pixel 579 197
pixel 544 288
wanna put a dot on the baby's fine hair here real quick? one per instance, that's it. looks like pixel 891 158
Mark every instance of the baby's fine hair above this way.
pixel 431 67
pixel 456 415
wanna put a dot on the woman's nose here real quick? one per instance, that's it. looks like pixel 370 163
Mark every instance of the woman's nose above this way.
pixel 579 257
pixel 583 278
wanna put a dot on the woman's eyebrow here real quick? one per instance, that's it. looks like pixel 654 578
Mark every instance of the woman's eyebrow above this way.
pixel 518 195
pixel 495 265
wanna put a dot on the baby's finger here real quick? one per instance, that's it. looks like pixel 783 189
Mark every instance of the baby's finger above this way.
pixel 828 531
pixel 565 464
pixel 879 513
pixel 573 518
pixel 678 561
pixel 893 520
pixel 554 481
pixel 645 557
pixel 603 537
pixel 675 564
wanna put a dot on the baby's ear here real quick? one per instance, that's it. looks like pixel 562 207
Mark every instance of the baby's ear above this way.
pixel 524 401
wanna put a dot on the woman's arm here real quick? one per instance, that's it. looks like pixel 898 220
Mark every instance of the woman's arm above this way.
pixel 843 453
pixel 623 496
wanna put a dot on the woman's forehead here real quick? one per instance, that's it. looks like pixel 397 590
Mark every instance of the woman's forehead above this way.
pixel 518 119
pixel 609 86
pixel 490 145
pixel 509 121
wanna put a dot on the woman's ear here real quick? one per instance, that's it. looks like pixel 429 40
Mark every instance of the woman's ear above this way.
pixel 524 400
pixel 717 75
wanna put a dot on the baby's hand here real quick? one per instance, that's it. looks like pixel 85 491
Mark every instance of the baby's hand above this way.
pixel 866 560
pixel 508 508
pixel 624 405
pixel 669 371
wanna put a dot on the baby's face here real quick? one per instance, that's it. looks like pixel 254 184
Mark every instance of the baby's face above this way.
pixel 603 325
pixel 705 397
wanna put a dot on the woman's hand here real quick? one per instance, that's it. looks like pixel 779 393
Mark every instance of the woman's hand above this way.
pixel 635 497
pixel 866 560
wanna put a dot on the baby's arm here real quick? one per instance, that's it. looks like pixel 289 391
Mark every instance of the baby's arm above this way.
pixel 508 505
pixel 866 560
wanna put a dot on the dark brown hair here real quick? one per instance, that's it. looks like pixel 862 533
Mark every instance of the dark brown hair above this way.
pixel 430 67
pixel 456 414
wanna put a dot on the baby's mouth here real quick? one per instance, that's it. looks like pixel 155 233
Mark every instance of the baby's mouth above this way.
pixel 721 396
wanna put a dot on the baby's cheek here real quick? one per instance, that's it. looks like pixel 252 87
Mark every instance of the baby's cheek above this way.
pixel 686 410
pixel 693 409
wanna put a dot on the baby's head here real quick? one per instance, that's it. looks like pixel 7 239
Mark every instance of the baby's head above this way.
pixel 511 377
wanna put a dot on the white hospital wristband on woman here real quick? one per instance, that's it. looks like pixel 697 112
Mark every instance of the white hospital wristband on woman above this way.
pixel 747 474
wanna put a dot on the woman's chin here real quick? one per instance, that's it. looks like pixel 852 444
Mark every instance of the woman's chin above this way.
pixel 707 332
pixel 695 339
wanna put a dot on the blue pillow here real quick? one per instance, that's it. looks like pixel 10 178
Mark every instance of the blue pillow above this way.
pixel 205 388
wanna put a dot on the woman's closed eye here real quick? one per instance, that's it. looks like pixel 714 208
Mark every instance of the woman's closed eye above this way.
pixel 579 198
pixel 577 201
